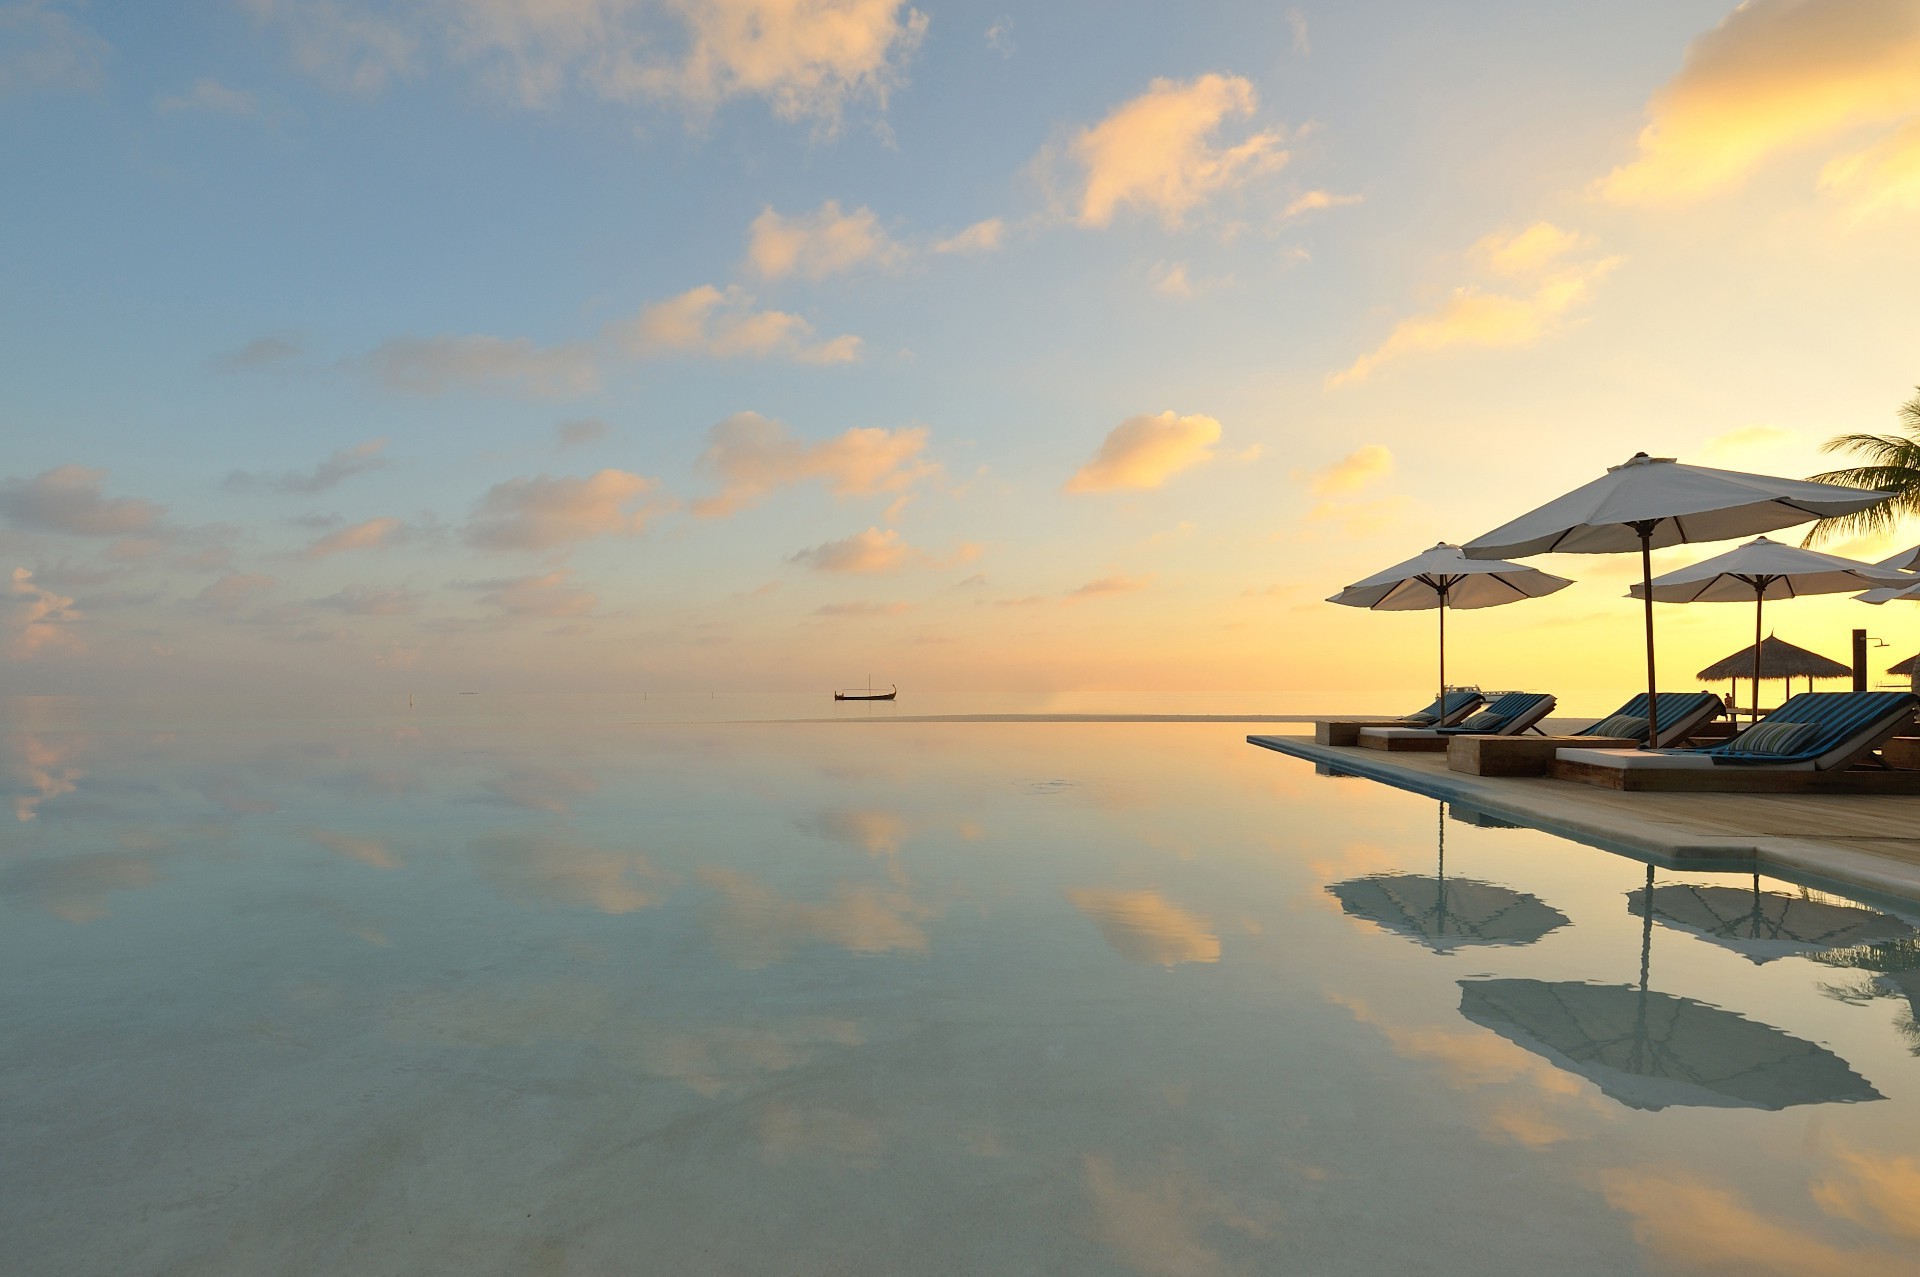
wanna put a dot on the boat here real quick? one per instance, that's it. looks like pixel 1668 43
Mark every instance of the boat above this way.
pixel 867 693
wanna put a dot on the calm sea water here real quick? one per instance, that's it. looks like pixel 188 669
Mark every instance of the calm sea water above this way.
pixel 475 993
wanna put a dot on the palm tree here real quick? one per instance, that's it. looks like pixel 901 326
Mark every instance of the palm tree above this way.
pixel 1891 461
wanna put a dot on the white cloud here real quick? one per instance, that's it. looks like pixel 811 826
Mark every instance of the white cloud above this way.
pixel 42 46
pixel 233 591
pixel 1144 452
pixel 36 619
pixel 261 352
pixel 336 469
pixel 1000 36
pixel 825 242
pixel 211 96
pixel 753 455
pixel 69 499
pixel 982 237
pixel 1158 152
pixel 542 513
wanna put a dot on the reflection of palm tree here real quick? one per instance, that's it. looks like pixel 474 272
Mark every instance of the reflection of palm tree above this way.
pixel 1895 973
pixel 1888 462
pixel 1649 1050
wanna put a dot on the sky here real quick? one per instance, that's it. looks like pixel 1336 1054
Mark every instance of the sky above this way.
pixel 624 345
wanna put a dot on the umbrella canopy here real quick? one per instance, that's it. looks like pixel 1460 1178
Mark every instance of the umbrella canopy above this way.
pixel 1443 578
pixel 1650 502
pixel 1649 1050
pixel 1445 913
pixel 1905 561
pixel 1778 659
pixel 1764 925
pixel 1765 569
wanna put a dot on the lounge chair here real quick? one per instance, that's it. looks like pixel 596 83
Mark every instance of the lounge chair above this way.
pixel 1809 744
pixel 1681 715
pixel 1443 712
pixel 1511 715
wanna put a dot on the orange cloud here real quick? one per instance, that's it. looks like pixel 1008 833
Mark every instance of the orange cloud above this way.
pixel 981 237
pixel 752 455
pixel 549 596
pixel 1110 585
pixel 374 534
pixel 368 851
pixel 231 592
pixel 1144 452
pixel 869 551
pixel 1353 472
pixel 827 242
pixel 36 618
pixel 1314 201
pixel 1884 178
pixel 1473 317
pixel 1157 151
pixel 1773 77
pixel 723 324
pixel 1880 1193
pixel 541 512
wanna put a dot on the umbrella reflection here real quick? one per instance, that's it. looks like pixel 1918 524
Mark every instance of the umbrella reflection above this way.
pixel 1894 970
pixel 1649 1050
pixel 1764 925
pixel 1444 913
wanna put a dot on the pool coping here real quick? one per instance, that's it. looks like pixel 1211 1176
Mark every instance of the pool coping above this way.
pixel 1811 861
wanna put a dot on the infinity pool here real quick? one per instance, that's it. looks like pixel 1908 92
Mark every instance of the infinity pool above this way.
pixel 548 998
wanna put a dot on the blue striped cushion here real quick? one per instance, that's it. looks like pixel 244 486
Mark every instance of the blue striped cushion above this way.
pixel 1509 707
pixel 1620 727
pixel 1837 717
pixel 1773 738
pixel 1485 721
pixel 1674 707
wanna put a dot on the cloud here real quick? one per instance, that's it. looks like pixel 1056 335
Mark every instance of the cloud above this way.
pixel 1000 36
pixel 341 44
pixel 1144 926
pixel 332 472
pixel 69 499
pixel 1353 472
pixel 871 551
pixel 541 513
pixel 42 47
pixel 368 851
pixel 373 534
pixel 1882 179
pixel 1315 201
pixel 36 619
pixel 724 324
pixel 1474 317
pixel 861 608
pixel 233 591
pixel 1157 152
pixel 1110 585
pixel 981 237
pixel 806 58
pixel 752 455
pixel 1774 77
pixel 585 430
pixel 366 600
pixel 1172 1221
pixel 1877 1192
pixel 435 365
pixel 1144 452
pixel 213 96
pixel 1531 251
pixel 826 242
pixel 261 352
pixel 550 596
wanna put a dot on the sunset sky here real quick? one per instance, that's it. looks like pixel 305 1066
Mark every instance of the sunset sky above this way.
pixel 657 344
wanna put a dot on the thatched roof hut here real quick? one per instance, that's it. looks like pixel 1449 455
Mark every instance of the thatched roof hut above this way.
pixel 1905 668
pixel 1778 659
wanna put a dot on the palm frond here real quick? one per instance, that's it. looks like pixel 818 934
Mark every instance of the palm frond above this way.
pixel 1910 411
pixel 1873 520
pixel 1886 450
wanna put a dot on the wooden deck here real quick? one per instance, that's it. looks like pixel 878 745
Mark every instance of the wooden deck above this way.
pixel 1861 841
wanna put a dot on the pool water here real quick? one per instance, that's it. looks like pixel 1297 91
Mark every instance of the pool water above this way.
pixel 483 997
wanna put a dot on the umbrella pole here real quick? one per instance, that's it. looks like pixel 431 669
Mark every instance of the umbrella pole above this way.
pixel 1645 530
pixel 1440 709
pixel 1759 600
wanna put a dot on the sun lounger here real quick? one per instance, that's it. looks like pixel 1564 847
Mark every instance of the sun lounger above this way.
pixel 1808 744
pixel 1681 715
pixel 1512 714
pixel 1443 712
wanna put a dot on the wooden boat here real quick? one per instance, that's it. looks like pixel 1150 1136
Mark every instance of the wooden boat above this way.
pixel 867 693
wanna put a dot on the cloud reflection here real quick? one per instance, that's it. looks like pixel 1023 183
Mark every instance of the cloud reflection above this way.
pixel 1170 1221
pixel 755 926
pixel 552 870
pixel 1144 926
pixel 46 767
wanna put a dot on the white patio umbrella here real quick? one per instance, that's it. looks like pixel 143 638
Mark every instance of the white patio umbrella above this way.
pixel 1765 569
pixel 1653 502
pixel 1443 578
